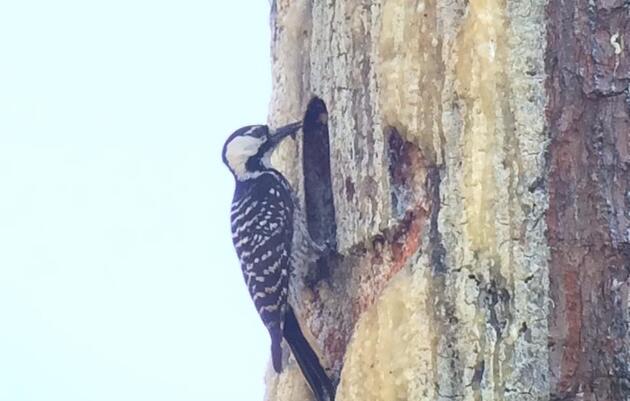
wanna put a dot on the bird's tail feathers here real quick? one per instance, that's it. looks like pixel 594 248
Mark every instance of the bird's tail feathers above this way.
pixel 317 379
pixel 276 349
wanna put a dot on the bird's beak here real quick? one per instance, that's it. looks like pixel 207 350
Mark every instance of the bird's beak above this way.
pixel 278 135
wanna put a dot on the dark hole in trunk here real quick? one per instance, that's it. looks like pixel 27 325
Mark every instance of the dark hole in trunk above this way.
pixel 320 207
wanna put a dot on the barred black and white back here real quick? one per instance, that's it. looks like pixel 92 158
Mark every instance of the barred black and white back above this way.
pixel 262 232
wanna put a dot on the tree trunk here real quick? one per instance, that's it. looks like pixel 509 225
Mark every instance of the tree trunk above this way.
pixel 477 196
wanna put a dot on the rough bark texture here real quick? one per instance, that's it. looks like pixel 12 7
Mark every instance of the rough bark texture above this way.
pixel 588 63
pixel 479 154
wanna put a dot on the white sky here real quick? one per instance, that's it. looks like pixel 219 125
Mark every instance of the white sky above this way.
pixel 118 280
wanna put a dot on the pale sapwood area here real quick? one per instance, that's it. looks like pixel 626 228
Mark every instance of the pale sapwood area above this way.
pixel 479 157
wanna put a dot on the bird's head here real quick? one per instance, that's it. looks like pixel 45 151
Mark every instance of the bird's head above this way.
pixel 247 152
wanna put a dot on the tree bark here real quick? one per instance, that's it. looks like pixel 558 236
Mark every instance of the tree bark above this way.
pixel 478 179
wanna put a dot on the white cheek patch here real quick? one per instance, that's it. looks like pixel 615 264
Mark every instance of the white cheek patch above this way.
pixel 239 150
pixel 266 159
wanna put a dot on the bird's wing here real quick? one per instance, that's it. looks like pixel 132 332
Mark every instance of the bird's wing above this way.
pixel 262 230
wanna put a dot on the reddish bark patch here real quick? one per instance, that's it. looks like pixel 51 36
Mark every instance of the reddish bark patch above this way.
pixel 335 345
pixel 392 250
pixel 588 67
pixel 407 174
pixel 387 259
pixel 362 272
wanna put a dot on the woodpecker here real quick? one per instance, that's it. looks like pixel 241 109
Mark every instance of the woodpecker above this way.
pixel 263 217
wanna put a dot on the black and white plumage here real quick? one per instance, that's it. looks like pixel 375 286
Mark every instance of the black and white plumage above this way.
pixel 263 218
pixel 262 214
